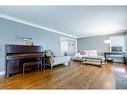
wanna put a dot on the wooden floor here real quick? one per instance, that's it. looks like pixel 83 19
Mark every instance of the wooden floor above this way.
pixel 73 76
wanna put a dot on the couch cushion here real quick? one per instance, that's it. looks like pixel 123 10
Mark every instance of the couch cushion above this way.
pixel 93 53
pixel 86 52
pixel 61 59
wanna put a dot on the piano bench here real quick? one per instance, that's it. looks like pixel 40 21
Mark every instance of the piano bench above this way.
pixel 31 64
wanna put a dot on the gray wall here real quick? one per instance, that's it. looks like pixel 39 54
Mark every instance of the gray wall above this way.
pixel 94 43
pixel 126 41
pixel 11 33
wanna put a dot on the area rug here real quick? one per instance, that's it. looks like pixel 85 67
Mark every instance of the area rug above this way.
pixel 121 82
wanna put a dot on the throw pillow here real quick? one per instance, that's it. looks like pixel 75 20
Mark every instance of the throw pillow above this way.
pixel 82 52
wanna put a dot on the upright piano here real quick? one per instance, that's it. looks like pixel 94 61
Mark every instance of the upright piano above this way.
pixel 16 55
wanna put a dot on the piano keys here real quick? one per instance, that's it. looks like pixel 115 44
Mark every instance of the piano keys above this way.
pixel 24 56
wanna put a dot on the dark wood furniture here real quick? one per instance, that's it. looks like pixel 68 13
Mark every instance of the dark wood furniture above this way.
pixel 20 56
pixel 111 56
pixel 27 64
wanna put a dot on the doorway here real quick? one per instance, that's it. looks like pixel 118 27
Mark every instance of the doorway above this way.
pixel 68 46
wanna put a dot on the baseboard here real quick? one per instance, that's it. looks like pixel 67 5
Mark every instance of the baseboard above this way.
pixel 2 73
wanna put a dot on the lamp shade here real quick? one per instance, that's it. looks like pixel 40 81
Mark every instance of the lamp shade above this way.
pixel 107 41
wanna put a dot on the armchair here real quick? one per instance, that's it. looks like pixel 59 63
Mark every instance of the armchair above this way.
pixel 52 60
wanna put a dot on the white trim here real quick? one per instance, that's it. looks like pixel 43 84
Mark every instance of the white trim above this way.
pixel 49 29
pixel 2 73
pixel 98 34
pixel 76 46
pixel 34 25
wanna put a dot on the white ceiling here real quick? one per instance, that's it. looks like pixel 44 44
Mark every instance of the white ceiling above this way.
pixel 78 21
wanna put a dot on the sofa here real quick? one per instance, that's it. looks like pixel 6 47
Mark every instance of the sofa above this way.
pixel 84 53
pixel 52 60
pixel 89 57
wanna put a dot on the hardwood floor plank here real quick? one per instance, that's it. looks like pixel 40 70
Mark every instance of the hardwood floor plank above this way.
pixel 73 76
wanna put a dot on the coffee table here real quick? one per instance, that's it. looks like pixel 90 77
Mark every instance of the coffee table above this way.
pixel 93 60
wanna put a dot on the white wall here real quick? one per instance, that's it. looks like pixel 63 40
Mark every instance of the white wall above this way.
pixel 118 41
